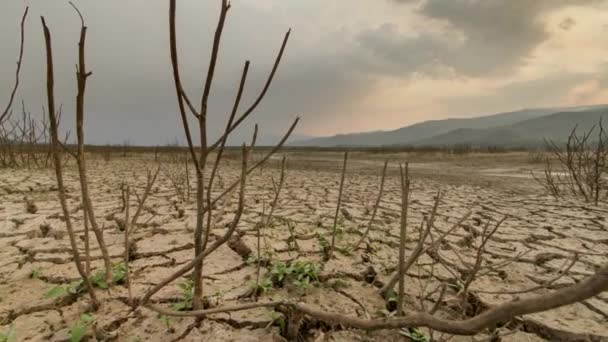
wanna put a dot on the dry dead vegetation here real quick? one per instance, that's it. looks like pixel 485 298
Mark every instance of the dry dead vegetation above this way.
pixel 167 249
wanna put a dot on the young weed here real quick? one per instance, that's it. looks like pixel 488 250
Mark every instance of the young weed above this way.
pixel 36 274
pixel 187 287
pixel 97 279
pixel 9 336
pixel 78 330
pixel 264 286
pixel 414 334
pixel 278 319
pixel 168 322
pixel 301 273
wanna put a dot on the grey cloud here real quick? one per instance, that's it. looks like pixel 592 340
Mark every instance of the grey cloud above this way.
pixel 130 95
pixel 497 36
pixel 386 50
pixel 331 61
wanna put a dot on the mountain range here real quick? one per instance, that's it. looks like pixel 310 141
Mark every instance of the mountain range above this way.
pixel 522 128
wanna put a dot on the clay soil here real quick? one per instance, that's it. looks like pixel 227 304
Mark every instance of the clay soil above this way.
pixel 538 239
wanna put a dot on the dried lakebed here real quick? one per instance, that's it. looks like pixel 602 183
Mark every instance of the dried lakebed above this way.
pixel 538 240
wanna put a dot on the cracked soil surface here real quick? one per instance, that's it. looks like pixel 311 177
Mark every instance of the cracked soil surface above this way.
pixel 538 239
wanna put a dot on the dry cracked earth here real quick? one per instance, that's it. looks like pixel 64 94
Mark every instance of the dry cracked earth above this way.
pixel 530 249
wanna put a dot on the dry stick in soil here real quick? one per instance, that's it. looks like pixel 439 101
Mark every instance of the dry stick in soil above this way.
pixel 220 153
pixel 587 288
pixel 81 75
pixel 199 258
pixel 7 110
pixel 126 255
pixel 333 235
pixel 405 195
pixel 376 205
pixel 187 169
pixel 200 229
pixel 263 224
pixel 87 243
pixel 384 291
pixel 150 180
pixel 58 165
pixel 275 201
pixel 257 262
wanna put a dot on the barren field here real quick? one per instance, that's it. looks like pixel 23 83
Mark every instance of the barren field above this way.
pixel 543 245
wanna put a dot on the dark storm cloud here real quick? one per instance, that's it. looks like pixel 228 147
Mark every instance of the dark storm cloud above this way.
pixel 479 37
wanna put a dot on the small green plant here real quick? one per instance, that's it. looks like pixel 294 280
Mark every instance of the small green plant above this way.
pixel 187 287
pixel 457 285
pixel 302 284
pixel 251 260
pixel 306 271
pixel 168 322
pixel 264 286
pixel 78 331
pixel 279 319
pixel 73 288
pixel 9 336
pixel 119 271
pixel 324 244
pixel 345 251
pixel 36 273
pixel 97 279
pixel 302 273
pixel 414 334
pixel 340 229
pixel 279 272
pixel 219 294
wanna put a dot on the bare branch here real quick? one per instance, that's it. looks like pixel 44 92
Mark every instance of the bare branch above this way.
pixel 6 110
pixel 333 235
pixel 585 289
pixel 260 96
pixel 376 205
pixel 58 166
pixel 405 194
pixel 177 81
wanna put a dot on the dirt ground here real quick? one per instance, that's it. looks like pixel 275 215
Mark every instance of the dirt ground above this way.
pixel 538 239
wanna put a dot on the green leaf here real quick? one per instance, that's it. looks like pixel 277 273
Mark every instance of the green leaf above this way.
pixel 10 335
pixel 120 270
pixel 36 273
pixel 251 260
pixel 57 291
pixel 75 287
pixel 77 332
pixel 87 318
pixel 179 306
pixel 414 334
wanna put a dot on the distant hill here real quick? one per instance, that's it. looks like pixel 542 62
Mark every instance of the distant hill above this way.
pixel 512 129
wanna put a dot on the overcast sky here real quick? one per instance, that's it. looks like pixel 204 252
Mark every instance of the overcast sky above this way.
pixel 350 65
